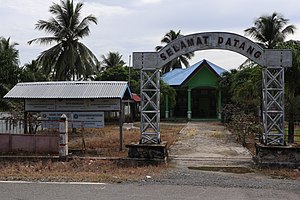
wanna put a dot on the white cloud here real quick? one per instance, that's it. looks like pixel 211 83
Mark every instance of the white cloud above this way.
pixel 150 1
pixel 139 25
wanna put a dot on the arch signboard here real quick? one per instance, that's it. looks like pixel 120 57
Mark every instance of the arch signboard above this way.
pixel 273 62
pixel 213 40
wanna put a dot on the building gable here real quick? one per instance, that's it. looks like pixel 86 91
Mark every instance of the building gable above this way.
pixel 182 77
pixel 203 76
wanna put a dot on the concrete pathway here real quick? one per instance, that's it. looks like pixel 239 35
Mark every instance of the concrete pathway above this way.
pixel 208 144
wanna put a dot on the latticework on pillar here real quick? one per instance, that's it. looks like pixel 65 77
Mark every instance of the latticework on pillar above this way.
pixel 273 105
pixel 150 106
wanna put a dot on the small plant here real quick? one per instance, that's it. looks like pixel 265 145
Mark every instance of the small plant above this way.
pixel 241 124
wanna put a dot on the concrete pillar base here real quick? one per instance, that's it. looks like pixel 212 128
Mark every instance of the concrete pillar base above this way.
pixel 167 114
pixel 189 115
pixel 148 151
pixel 277 156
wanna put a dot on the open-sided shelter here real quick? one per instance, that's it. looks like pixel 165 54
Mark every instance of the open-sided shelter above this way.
pixel 72 96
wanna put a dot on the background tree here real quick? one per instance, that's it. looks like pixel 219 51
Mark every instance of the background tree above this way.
pixel 242 88
pixel 292 86
pixel 9 62
pixel 179 61
pixel 69 58
pixel 120 73
pixel 32 72
pixel 112 59
pixel 9 70
pixel 269 30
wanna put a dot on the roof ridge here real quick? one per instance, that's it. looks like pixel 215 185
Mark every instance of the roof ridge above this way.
pixel 71 82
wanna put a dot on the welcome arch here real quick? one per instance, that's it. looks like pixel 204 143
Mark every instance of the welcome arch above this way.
pixel 272 61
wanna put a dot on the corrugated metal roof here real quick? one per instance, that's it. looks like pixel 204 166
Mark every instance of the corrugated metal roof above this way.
pixel 69 90
pixel 177 76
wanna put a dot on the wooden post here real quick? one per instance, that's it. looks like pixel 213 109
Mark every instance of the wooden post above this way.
pixel 167 107
pixel 121 124
pixel 219 105
pixel 25 122
pixel 189 112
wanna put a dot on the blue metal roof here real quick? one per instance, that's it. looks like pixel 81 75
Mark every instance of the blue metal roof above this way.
pixel 178 76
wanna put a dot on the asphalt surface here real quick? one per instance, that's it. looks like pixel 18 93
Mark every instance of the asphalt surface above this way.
pixel 136 191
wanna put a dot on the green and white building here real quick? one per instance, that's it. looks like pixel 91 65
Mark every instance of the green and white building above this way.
pixel 197 94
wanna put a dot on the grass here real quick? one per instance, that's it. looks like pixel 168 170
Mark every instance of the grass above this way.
pixel 76 170
pixel 296 134
pixel 106 141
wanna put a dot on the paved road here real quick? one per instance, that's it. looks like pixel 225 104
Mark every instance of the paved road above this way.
pixel 137 191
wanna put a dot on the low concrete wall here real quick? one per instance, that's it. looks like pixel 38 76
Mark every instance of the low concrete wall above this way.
pixel 277 156
pixel 29 143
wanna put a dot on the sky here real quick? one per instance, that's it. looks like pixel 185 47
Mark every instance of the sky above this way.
pixel 127 26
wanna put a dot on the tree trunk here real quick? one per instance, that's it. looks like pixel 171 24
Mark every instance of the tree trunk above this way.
pixel 291 128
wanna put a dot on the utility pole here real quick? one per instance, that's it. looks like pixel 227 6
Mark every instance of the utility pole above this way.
pixel 129 63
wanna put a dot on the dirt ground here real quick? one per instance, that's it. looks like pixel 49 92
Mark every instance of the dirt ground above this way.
pixel 208 144
pixel 198 144
pixel 99 151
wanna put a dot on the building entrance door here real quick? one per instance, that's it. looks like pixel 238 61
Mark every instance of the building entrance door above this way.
pixel 204 103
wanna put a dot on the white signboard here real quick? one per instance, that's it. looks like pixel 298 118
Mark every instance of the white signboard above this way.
pixel 75 119
pixel 72 105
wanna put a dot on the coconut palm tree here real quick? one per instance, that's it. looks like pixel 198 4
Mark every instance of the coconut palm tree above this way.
pixel 69 58
pixel 9 69
pixel 112 59
pixel 269 30
pixel 177 62
pixel 9 62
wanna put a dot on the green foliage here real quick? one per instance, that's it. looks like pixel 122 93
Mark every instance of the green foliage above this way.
pixel 32 72
pixel 225 85
pixel 116 73
pixel 292 86
pixel 9 70
pixel 112 59
pixel 9 63
pixel 4 104
pixel 69 59
pixel 246 87
pixel 165 89
pixel 242 88
pixel 119 73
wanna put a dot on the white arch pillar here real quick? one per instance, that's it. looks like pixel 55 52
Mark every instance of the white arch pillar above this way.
pixel 272 61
